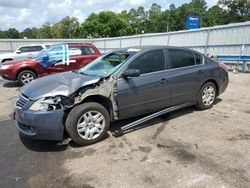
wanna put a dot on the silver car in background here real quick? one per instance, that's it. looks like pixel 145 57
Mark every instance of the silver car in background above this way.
pixel 23 52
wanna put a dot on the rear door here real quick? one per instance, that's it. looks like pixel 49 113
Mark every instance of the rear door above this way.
pixel 81 56
pixel 186 71
pixel 147 93
pixel 75 58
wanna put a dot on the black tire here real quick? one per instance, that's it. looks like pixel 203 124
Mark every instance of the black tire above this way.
pixel 20 77
pixel 77 114
pixel 200 102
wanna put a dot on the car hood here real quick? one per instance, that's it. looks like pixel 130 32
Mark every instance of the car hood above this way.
pixel 64 84
pixel 17 61
pixel 6 55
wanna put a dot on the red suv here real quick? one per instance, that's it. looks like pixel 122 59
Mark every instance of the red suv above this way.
pixel 58 58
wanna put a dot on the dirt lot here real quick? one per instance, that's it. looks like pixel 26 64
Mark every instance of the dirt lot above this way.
pixel 187 148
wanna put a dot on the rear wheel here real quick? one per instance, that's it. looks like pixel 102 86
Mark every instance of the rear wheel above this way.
pixel 25 77
pixel 207 96
pixel 87 123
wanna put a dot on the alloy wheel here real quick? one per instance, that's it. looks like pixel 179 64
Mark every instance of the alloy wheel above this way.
pixel 208 95
pixel 90 125
pixel 27 77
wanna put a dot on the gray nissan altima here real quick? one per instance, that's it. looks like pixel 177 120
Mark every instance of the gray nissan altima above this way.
pixel 121 84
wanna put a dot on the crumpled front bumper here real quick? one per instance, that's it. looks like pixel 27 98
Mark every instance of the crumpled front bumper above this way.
pixel 40 125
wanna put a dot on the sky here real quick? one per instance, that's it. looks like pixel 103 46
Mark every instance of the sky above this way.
pixel 22 14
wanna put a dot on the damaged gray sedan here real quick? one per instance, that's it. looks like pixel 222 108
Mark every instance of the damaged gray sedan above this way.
pixel 121 84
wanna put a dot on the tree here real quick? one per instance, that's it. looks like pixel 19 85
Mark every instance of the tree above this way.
pixel 215 16
pixel 105 24
pixel 66 28
pixel 124 15
pixel 44 32
pixel 3 34
pixel 137 18
pixel 12 33
pixel 182 13
pixel 172 18
pixel 199 8
pixel 239 10
pixel 153 18
pixel 29 33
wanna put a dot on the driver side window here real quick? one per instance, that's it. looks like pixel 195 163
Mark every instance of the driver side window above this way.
pixel 149 62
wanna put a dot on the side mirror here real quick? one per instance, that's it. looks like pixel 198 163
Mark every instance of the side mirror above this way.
pixel 18 51
pixel 131 73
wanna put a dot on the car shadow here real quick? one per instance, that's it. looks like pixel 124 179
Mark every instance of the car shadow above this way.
pixel 11 85
pixel 72 144
pixel 116 126
pixel 43 146
pixel 217 101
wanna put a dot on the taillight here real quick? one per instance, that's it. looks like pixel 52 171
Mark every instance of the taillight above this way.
pixel 223 66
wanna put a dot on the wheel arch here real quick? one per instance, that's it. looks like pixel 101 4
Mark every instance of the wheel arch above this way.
pixel 214 82
pixel 6 59
pixel 102 100
pixel 24 69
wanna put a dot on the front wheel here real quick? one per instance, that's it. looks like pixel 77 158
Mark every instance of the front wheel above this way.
pixel 87 123
pixel 206 96
pixel 25 77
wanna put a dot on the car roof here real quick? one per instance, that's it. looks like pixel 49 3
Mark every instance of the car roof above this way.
pixel 154 47
pixel 78 44
pixel 146 47
pixel 31 45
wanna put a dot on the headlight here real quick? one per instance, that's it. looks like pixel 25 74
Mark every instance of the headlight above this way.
pixel 46 104
pixel 4 67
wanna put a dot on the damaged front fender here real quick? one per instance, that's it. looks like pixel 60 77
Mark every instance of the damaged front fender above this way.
pixel 106 88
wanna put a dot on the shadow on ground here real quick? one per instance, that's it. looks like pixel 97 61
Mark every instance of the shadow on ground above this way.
pixel 43 146
pixel 11 85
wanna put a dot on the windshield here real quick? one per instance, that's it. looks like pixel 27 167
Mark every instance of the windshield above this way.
pixel 107 64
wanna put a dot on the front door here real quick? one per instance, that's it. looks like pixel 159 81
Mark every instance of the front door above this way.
pixel 147 93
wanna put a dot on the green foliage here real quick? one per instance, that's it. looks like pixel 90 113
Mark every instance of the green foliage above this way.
pixel 12 33
pixel 138 20
pixel 105 24
pixel 66 28
pixel 215 16
pixel 44 32
pixel 238 10
pixel 29 33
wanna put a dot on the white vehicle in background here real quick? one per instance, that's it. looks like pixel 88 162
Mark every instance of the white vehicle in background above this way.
pixel 23 52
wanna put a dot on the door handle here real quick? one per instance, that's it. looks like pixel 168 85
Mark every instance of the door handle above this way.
pixel 163 81
pixel 200 71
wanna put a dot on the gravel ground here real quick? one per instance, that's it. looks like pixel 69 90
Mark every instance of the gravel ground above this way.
pixel 186 148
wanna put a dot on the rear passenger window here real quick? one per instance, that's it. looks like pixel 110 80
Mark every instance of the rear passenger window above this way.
pixel 198 59
pixel 88 51
pixel 37 48
pixel 181 58
pixel 75 51
pixel 149 62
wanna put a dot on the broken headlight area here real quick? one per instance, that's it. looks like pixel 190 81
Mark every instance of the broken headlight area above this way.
pixel 47 104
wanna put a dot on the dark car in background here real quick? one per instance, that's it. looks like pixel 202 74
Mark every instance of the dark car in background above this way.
pixel 58 58
pixel 118 85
